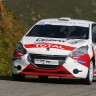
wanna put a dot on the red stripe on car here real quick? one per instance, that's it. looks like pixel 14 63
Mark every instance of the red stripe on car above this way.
pixel 49 45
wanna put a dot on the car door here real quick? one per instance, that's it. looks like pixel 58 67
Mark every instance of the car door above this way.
pixel 94 43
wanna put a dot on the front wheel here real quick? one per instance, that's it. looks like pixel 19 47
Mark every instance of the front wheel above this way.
pixel 90 74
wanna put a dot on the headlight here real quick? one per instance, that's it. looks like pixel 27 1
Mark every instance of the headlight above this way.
pixel 20 48
pixel 79 52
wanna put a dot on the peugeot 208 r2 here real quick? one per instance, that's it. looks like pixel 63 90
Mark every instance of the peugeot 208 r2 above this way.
pixel 61 47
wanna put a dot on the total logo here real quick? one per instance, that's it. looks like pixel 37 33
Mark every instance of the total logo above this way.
pixel 46 45
pixel 50 45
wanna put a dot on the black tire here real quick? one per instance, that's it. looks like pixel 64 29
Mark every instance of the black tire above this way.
pixel 43 77
pixel 18 77
pixel 90 74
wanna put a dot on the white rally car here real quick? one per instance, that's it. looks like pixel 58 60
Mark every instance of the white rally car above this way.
pixel 61 47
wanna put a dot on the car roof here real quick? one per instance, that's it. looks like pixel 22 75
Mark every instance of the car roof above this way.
pixel 65 21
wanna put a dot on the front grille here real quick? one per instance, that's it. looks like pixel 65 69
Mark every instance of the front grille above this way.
pixel 60 58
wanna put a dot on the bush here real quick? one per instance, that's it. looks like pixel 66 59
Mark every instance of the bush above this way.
pixel 11 30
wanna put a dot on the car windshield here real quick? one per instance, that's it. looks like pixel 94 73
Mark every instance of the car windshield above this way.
pixel 54 31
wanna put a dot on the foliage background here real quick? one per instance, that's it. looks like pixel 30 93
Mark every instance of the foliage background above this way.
pixel 31 11
pixel 11 30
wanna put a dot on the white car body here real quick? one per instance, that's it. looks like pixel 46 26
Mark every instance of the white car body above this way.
pixel 55 56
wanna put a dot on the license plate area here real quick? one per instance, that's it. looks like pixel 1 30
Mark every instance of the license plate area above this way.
pixel 46 62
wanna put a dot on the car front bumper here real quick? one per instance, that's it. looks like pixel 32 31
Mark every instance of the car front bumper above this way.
pixel 71 68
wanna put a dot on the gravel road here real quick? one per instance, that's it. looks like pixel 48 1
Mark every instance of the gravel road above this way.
pixel 51 87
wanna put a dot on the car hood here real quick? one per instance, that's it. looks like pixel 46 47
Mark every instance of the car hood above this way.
pixel 51 46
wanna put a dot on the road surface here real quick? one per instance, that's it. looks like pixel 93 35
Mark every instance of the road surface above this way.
pixel 50 87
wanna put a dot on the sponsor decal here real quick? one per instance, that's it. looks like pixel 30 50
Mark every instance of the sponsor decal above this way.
pixel 48 40
pixel 81 61
pixel 50 45
pixel 17 57
pixel 46 61
pixel 75 41
pixel 41 23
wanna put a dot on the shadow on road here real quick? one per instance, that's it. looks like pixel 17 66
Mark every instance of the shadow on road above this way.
pixel 57 81
pixel 5 78
pixel 54 81
pixel 49 80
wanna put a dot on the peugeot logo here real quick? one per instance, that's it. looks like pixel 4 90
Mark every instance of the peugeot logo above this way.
pixel 47 49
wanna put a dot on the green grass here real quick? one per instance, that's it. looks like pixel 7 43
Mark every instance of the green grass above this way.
pixel 11 30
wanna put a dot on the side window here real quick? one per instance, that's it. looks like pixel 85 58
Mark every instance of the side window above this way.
pixel 94 33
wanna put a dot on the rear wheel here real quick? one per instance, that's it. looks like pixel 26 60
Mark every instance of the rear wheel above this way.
pixel 90 74
pixel 18 77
